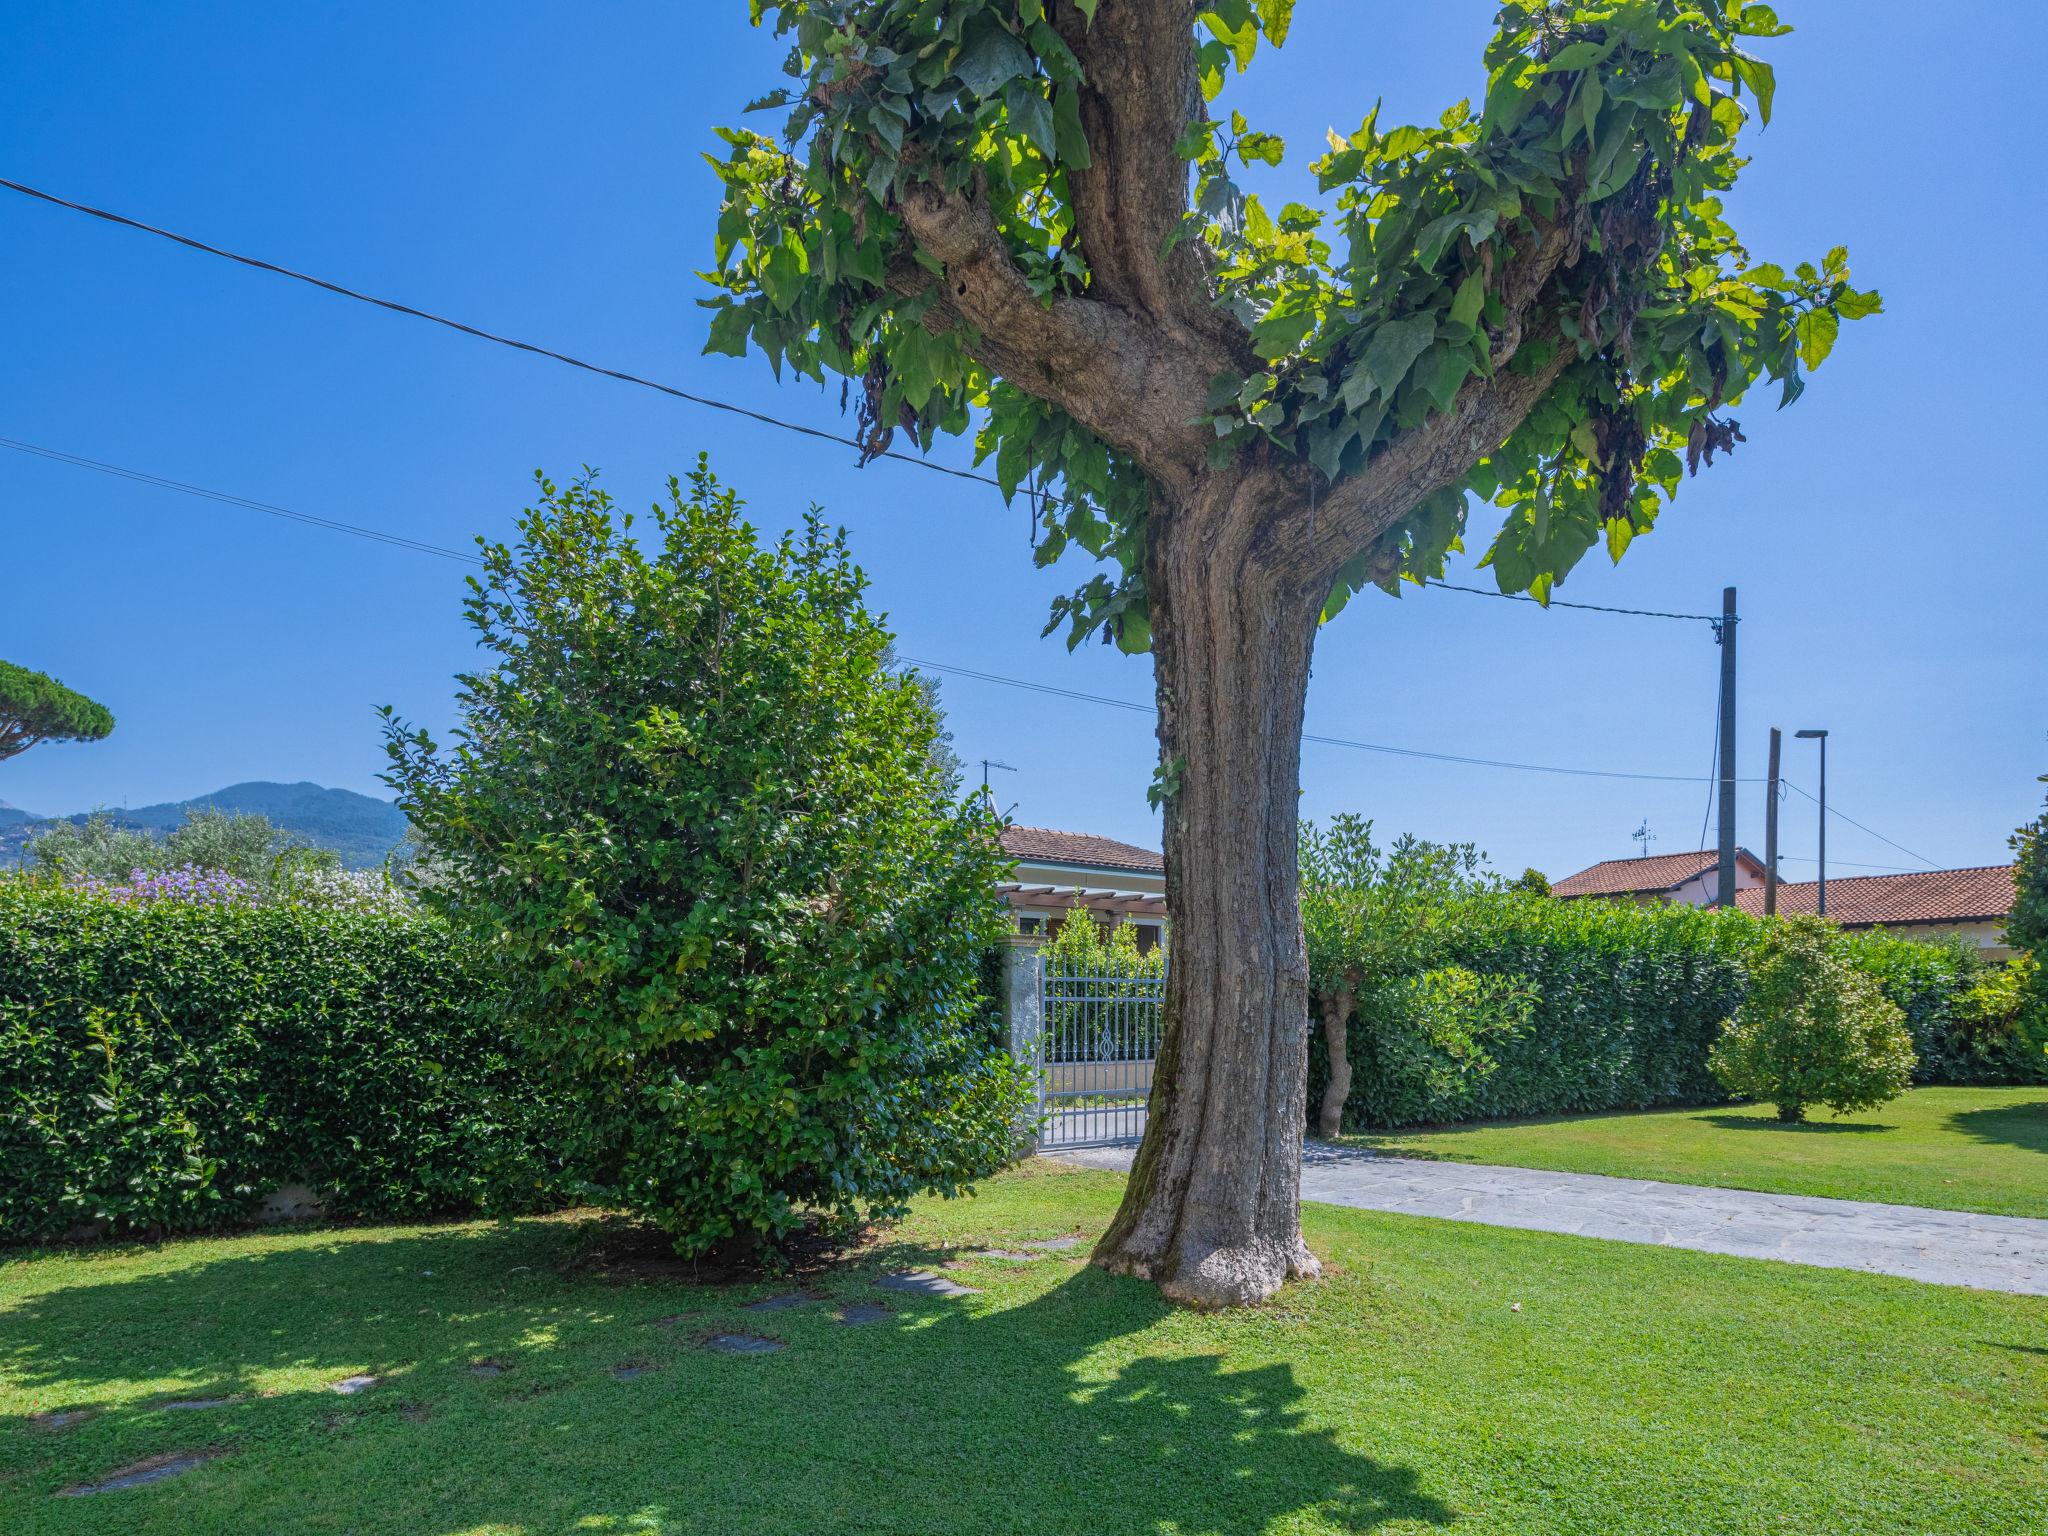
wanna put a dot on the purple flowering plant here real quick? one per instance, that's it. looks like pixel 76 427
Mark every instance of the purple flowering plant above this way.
pixel 187 883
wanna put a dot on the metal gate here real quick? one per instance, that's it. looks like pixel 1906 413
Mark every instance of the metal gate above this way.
pixel 1099 1039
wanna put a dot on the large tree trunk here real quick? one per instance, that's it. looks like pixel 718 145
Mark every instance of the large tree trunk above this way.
pixel 1212 1211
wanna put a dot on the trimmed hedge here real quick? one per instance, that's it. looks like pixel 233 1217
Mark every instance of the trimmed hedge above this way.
pixel 1538 1007
pixel 164 1066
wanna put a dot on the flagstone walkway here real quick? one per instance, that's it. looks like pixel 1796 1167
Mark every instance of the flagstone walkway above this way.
pixel 1991 1253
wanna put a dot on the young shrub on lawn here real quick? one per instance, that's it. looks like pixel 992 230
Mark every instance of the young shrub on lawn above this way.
pixel 1813 1030
pixel 704 826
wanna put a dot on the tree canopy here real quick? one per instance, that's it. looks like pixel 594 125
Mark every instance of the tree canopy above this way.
pixel 36 708
pixel 1554 258
pixel 1023 220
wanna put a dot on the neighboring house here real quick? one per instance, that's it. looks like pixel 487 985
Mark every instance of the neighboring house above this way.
pixel 1059 871
pixel 1691 878
pixel 1972 903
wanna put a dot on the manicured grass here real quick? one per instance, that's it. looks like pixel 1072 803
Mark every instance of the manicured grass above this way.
pixel 1636 1390
pixel 1958 1149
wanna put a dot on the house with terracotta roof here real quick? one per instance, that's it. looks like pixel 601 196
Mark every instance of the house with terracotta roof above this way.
pixel 1973 904
pixel 1690 878
pixel 1058 872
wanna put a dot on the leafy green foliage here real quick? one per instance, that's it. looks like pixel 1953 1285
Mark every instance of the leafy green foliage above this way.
pixel 1813 1030
pixel 245 845
pixel 164 1066
pixel 1571 224
pixel 2027 928
pixel 1608 1006
pixel 1373 917
pixel 704 827
pixel 1081 947
pixel 36 708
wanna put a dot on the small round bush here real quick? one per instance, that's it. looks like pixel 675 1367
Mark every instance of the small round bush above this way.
pixel 1813 1030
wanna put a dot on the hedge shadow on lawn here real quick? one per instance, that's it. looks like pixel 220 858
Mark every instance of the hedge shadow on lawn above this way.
pixel 871 1421
pixel 2011 1125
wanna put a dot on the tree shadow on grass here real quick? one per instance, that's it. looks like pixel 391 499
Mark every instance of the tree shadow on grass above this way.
pixel 1091 1406
pixel 1732 1122
pixel 2012 1125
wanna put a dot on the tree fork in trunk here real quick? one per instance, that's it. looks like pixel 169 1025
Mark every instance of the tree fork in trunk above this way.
pixel 1212 1211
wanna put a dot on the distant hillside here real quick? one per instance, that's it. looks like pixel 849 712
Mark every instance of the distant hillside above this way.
pixel 360 828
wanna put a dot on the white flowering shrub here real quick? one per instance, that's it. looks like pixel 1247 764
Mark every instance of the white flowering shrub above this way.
pixel 333 889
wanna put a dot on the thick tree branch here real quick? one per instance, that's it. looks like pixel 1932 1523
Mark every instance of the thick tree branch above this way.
pixel 1442 450
pixel 1140 91
pixel 1111 370
pixel 1414 466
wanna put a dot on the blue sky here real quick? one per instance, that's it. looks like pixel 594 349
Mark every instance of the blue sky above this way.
pixel 537 170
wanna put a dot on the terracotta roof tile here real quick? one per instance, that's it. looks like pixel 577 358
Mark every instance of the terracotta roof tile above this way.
pixel 1656 874
pixel 1045 846
pixel 1927 896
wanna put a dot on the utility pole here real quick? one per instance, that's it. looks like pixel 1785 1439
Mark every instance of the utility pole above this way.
pixel 1771 829
pixel 1821 737
pixel 1724 636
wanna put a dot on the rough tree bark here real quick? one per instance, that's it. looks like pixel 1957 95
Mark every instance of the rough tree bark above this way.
pixel 1337 1006
pixel 1212 1211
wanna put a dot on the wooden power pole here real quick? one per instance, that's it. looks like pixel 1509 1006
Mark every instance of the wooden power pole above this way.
pixel 1771 829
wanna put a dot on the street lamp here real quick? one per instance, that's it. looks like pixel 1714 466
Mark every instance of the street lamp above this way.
pixel 1822 738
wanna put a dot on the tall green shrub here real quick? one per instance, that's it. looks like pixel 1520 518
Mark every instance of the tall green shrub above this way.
pixel 1372 921
pixel 165 1065
pixel 703 827
pixel 1812 1029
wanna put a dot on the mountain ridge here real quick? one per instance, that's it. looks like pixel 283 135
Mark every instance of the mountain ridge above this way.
pixel 360 828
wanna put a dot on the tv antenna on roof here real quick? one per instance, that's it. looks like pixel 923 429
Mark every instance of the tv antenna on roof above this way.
pixel 1643 838
pixel 986 764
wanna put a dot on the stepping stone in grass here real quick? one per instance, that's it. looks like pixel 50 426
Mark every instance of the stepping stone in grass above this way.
pixel 349 1386
pixel 919 1282
pixel 630 1371
pixel 1011 1255
pixel 856 1313
pixel 189 1404
pixel 1053 1244
pixel 486 1369
pixel 780 1303
pixel 153 1469
pixel 59 1418
pixel 743 1344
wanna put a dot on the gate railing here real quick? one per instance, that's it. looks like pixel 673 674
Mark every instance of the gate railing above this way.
pixel 1096 1048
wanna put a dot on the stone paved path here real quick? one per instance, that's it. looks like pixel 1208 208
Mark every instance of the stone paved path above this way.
pixel 1990 1253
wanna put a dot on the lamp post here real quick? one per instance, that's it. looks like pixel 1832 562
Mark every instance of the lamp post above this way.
pixel 1822 738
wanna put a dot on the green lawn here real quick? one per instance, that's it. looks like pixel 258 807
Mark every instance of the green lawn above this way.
pixel 1959 1149
pixel 1635 1390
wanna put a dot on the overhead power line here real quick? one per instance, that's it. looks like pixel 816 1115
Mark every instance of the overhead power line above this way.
pixel 1328 741
pixel 1840 816
pixel 399 541
pixel 622 376
pixel 1558 602
pixel 419 546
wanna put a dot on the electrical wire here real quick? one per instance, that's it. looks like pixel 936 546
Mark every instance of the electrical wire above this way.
pixel 1310 736
pixel 1841 816
pixel 693 397
pixel 1558 602
pixel 417 546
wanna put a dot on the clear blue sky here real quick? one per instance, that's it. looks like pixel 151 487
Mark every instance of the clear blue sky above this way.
pixel 536 169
